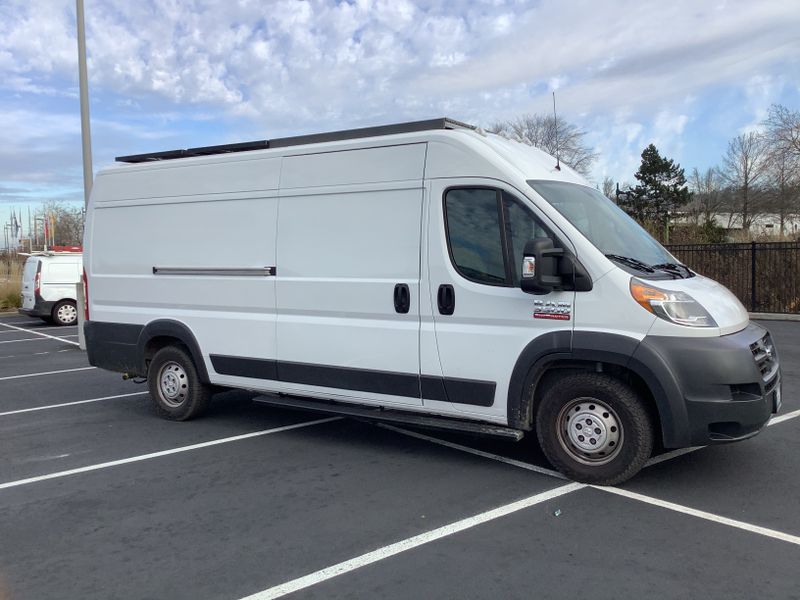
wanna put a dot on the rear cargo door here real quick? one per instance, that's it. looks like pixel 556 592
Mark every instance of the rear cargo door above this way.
pixel 28 282
pixel 348 274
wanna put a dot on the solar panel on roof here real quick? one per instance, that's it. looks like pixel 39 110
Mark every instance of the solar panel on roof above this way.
pixel 314 138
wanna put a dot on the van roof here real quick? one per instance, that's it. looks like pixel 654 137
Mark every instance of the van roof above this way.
pixel 299 140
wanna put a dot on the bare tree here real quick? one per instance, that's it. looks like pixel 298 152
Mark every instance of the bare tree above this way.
pixel 554 136
pixel 609 189
pixel 783 128
pixel 709 198
pixel 65 222
pixel 744 169
pixel 783 176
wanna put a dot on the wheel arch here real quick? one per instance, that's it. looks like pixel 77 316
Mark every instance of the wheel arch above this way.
pixel 164 332
pixel 616 354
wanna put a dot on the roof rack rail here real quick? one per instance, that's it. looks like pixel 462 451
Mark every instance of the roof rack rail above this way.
pixel 314 138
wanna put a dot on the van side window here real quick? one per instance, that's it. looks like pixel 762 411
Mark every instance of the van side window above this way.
pixel 487 230
pixel 474 234
pixel 521 226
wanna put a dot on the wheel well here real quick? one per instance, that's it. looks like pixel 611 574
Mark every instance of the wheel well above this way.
pixel 157 343
pixel 559 368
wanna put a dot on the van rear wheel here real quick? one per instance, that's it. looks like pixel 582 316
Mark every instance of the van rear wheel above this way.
pixel 175 387
pixel 594 428
pixel 65 313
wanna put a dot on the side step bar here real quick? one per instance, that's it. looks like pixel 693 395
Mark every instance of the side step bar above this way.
pixel 392 416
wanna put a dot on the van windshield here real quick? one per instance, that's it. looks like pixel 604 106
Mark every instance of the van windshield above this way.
pixel 608 227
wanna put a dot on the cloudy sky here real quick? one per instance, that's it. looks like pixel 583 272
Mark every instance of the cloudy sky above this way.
pixel 686 75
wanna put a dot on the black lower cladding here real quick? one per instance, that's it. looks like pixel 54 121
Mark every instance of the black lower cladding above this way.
pixel 113 346
pixel 41 308
pixel 460 391
pixel 726 395
pixel 120 347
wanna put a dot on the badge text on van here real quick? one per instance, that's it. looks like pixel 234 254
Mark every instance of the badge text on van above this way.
pixel 550 309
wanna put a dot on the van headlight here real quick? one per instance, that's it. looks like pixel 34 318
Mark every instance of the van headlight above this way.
pixel 676 307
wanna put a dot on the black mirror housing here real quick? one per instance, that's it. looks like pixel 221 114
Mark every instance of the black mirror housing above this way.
pixel 546 268
pixel 540 272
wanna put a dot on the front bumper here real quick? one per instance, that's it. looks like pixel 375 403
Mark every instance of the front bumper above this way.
pixel 729 385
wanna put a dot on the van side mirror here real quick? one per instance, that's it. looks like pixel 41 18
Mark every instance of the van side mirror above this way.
pixel 545 268
pixel 539 266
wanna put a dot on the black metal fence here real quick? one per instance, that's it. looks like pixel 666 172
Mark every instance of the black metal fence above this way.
pixel 765 276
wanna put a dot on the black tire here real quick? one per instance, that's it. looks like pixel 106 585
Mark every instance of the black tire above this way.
pixel 176 389
pixel 65 313
pixel 594 428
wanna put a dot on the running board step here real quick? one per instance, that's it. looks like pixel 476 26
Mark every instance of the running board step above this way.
pixel 392 416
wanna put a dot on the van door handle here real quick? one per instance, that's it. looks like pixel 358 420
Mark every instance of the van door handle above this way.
pixel 446 299
pixel 402 298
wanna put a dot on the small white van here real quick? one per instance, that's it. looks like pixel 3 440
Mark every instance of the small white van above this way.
pixel 48 286
pixel 424 272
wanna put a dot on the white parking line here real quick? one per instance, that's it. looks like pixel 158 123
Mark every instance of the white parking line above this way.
pixel 772 533
pixel 60 328
pixel 681 451
pixel 132 459
pixel 7 377
pixel 497 457
pixel 53 337
pixel 36 339
pixel 410 543
pixel 781 418
pixel 49 406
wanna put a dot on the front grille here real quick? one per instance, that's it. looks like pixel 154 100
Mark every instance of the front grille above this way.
pixel 766 360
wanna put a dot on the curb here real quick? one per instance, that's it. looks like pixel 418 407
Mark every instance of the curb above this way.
pixel 775 316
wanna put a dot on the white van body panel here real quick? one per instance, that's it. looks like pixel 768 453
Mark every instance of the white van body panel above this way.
pixel 231 315
pixel 342 249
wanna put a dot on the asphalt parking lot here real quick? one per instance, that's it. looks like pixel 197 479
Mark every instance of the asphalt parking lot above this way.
pixel 99 498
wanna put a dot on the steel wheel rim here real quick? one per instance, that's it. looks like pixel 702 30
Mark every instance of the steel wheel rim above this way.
pixel 173 384
pixel 590 431
pixel 67 313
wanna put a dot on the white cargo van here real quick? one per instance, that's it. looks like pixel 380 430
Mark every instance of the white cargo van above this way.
pixel 48 286
pixel 424 272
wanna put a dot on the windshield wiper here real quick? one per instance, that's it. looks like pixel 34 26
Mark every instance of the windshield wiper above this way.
pixel 676 268
pixel 632 262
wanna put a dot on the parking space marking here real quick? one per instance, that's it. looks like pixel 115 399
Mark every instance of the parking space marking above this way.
pixel 791 415
pixel 141 457
pixel 36 339
pixel 671 454
pixel 7 377
pixel 59 328
pixel 61 339
pixel 681 451
pixel 410 543
pixel 772 533
pixel 497 457
pixel 49 406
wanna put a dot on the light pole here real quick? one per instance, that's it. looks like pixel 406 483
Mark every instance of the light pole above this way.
pixel 86 138
pixel 86 133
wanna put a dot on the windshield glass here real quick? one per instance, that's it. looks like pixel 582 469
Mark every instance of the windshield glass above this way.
pixel 603 223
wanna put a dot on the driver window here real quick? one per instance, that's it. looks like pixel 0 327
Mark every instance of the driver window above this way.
pixel 521 226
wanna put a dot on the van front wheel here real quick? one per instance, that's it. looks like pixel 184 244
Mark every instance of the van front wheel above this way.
pixel 594 428
pixel 176 389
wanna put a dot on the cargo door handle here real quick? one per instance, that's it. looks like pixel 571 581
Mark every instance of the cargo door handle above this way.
pixel 402 298
pixel 446 299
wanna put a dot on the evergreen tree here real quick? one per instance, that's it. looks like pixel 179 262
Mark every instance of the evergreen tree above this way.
pixel 661 191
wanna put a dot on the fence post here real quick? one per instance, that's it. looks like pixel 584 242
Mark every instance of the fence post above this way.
pixel 753 307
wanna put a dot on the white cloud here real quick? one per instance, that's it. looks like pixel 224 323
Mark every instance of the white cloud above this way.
pixel 624 70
